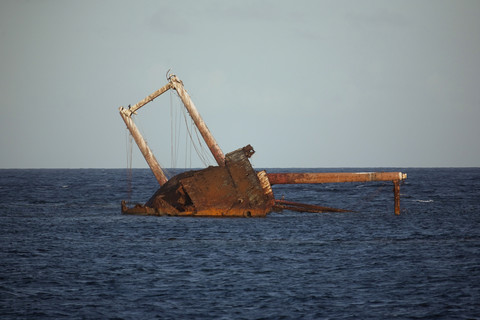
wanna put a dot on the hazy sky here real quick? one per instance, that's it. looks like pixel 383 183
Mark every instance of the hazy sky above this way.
pixel 306 83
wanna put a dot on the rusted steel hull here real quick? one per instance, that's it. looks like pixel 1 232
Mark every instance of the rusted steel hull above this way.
pixel 233 190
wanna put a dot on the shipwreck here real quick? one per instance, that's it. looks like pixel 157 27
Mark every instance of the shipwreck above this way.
pixel 232 188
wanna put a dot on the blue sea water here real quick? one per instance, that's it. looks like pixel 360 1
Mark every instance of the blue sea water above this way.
pixel 66 251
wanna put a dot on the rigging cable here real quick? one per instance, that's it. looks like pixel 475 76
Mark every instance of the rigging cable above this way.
pixel 176 135
pixel 200 149
pixel 370 197
pixel 129 149
pixel 175 132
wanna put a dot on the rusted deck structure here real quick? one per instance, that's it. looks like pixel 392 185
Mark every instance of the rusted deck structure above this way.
pixel 232 188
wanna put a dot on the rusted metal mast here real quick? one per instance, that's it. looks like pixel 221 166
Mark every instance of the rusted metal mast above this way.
pixel 396 195
pixel 197 119
pixel 174 83
pixel 142 145
pixel 333 177
pixel 134 108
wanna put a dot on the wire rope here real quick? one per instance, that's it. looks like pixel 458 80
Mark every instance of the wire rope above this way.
pixel 369 197
pixel 199 149
pixel 129 151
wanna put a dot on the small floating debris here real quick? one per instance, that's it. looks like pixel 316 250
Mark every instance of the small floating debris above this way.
pixel 232 188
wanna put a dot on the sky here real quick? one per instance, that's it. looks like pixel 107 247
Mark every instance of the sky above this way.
pixel 307 83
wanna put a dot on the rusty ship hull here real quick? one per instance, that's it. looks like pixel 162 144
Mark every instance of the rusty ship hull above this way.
pixel 232 190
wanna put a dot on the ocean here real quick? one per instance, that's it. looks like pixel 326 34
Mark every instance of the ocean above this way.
pixel 66 251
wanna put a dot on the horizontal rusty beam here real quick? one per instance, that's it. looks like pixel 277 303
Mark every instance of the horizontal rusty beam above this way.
pixel 333 177
pixel 156 94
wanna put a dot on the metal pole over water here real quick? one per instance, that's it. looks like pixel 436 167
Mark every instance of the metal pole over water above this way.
pixel 142 145
pixel 338 177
